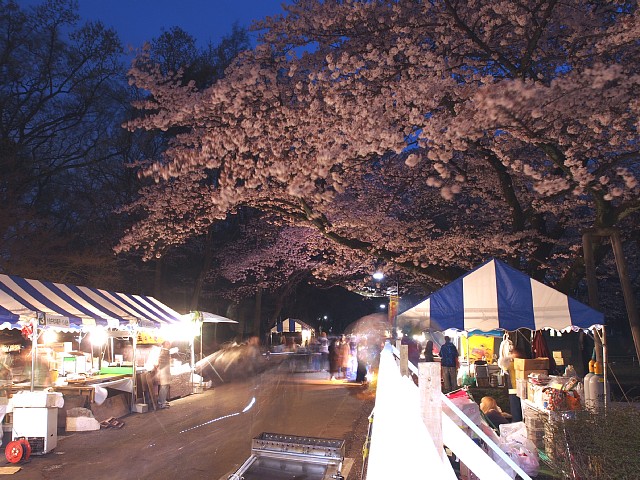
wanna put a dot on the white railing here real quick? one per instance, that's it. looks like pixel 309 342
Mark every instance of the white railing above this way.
pixel 402 445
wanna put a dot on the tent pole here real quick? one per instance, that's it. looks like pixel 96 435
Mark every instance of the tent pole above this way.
pixel 468 355
pixel 34 351
pixel 134 373
pixel 605 362
pixel 193 361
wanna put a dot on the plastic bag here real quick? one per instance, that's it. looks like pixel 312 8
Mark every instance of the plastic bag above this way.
pixel 523 452
pixel 513 432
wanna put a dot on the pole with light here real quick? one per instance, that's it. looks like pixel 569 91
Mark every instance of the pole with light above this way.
pixel 393 304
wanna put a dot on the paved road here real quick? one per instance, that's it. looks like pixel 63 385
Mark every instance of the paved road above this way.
pixel 208 435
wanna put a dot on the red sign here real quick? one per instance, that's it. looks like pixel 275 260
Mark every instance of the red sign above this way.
pixel 393 308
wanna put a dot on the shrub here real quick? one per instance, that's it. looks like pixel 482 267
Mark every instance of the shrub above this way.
pixel 595 446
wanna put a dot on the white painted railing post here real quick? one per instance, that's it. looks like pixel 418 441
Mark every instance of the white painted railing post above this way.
pixel 404 360
pixel 431 401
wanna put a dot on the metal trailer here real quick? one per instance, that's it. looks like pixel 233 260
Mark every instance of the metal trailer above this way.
pixel 286 457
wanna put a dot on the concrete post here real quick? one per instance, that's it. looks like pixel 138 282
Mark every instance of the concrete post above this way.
pixel 431 402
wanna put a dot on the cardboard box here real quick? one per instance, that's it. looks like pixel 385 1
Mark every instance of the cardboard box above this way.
pixel 531 363
pixel 521 388
pixel 525 373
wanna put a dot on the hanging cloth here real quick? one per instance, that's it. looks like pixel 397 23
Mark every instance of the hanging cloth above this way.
pixel 541 349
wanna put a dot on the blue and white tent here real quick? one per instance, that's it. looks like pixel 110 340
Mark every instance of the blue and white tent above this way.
pixel 70 307
pixel 497 296
pixel 291 325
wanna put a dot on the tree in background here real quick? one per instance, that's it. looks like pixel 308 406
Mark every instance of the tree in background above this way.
pixel 62 97
pixel 514 126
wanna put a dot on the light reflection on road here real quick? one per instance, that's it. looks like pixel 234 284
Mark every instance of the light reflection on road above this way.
pixel 244 410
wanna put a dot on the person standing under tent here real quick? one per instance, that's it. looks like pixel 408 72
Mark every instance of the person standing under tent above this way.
pixel 334 359
pixel 428 352
pixel 413 349
pixel 163 374
pixel 450 362
pixel 345 357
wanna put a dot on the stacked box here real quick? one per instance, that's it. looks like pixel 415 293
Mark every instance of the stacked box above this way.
pixel 531 363
pixel 561 357
pixel 521 388
pixel 483 382
pixel 482 375
pixel 535 421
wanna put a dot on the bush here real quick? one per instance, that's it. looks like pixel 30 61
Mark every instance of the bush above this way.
pixel 598 446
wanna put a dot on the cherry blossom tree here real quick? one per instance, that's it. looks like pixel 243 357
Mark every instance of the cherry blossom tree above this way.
pixel 426 135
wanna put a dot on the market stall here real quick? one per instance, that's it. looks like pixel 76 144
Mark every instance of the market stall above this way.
pixel 107 319
pixel 495 296
pixel 291 340
pixel 293 331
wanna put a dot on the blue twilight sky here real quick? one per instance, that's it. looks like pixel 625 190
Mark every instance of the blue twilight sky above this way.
pixel 137 21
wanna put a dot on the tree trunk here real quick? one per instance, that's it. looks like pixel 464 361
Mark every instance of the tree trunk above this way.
pixel 157 279
pixel 204 269
pixel 257 312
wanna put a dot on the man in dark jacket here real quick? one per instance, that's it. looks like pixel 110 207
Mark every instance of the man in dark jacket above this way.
pixel 449 355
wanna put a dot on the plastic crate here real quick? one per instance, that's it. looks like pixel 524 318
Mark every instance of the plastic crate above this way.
pixel 537 436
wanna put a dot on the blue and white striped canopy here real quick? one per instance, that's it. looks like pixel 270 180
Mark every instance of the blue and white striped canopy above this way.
pixel 497 296
pixel 290 325
pixel 71 307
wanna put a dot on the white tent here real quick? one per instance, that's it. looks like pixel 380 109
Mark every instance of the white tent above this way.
pixel 198 318
pixel 291 325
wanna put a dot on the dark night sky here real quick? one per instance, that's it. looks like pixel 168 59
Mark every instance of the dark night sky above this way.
pixel 137 21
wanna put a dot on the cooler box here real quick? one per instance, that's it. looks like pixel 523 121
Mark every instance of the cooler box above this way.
pixel 35 417
pixel 38 425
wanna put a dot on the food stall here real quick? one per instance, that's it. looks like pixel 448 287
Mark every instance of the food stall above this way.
pixel 293 331
pixel 291 338
pixel 93 320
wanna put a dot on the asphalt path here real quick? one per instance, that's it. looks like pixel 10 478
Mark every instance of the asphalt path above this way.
pixel 208 435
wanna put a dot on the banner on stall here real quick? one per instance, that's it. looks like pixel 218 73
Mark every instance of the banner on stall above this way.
pixel 52 320
pixel 148 338
pixel 479 347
